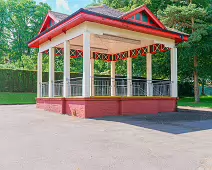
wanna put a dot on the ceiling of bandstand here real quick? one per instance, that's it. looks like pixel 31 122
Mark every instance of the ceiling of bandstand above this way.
pixel 109 44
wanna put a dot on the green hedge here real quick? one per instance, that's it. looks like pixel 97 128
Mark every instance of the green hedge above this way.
pixel 23 80
pixel 17 80
pixel 185 89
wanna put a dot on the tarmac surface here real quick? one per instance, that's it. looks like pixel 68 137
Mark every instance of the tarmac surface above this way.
pixel 33 139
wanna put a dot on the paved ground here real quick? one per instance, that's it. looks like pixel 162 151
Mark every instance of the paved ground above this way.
pixel 31 139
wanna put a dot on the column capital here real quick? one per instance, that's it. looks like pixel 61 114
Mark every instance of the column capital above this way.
pixel 86 33
pixel 148 49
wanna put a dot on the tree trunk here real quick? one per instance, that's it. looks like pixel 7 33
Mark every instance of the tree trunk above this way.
pixel 196 82
pixel 203 87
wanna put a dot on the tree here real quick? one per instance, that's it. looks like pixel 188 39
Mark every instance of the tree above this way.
pixel 190 19
pixel 20 20
pixel 127 5
pixel 3 36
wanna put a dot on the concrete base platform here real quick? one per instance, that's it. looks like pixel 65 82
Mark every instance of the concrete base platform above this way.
pixel 95 107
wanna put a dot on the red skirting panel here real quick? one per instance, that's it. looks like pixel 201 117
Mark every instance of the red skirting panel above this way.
pixel 52 104
pixel 108 106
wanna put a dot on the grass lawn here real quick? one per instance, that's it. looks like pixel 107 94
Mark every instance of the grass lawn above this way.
pixel 17 98
pixel 205 102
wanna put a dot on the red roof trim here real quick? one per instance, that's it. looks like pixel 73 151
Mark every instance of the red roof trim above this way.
pixel 53 17
pixel 49 15
pixel 144 8
pixel 78 19
pixel 82 16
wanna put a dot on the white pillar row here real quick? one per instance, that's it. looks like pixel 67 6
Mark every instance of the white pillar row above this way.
pixel 66 72
pixel 174 90
pixel 92 74
pixel 149 74
pixel 86 84
pixel 39 75
pixel 129 75
pixel 51 71
pixel 113 78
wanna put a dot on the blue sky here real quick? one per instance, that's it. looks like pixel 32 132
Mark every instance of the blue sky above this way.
pixel 66 6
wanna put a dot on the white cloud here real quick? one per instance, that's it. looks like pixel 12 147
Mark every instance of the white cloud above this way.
pixel 76 6
pixel 63 4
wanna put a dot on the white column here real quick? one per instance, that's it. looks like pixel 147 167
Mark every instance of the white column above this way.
pixel 129 76
pixel 92 75
pixel 149 74
pixel 39 75
pixel 51 71
pixel 86 88
pixel 113 80
pixel 174 90
pixel 66 73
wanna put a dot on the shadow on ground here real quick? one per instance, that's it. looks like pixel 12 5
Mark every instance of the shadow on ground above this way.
pixel 174 123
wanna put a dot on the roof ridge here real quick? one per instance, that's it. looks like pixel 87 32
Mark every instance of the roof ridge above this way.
pixel 106 10
pixel 133 9
pixel 57 12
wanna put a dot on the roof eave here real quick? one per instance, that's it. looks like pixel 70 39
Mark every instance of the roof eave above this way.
pixel 94 14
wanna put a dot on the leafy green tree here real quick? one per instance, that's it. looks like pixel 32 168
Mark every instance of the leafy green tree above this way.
pixel 193 20
pixel 127 5
pixel 3 36
pixel 20 20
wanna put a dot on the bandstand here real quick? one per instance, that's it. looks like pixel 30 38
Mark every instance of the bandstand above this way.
pixel 103 33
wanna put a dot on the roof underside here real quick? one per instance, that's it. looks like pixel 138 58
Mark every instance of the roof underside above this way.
pixel 111 45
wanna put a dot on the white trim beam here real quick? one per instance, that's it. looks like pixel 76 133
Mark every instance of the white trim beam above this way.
pixel 70 34
pixel 170 43
pixel 94 49
pixel 101 30
pixel 118 38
